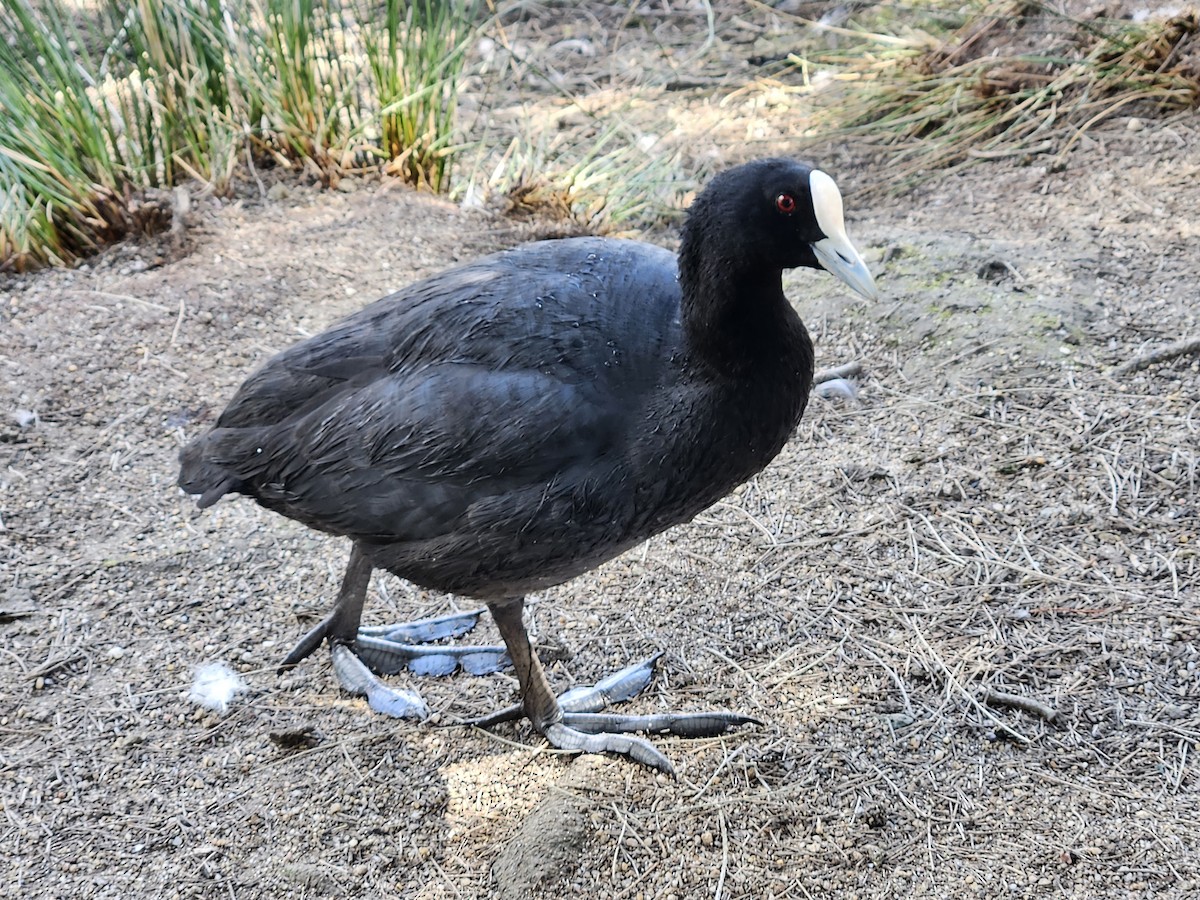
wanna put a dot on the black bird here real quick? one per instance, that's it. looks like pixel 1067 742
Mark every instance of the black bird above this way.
pixel 511 423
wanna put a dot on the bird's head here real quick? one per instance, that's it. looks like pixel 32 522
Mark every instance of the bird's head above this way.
pixel 782 214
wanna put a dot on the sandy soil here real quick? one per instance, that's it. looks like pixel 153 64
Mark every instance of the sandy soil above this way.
pixel 997 516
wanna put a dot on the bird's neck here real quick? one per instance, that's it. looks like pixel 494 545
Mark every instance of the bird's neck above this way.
pixel 735 317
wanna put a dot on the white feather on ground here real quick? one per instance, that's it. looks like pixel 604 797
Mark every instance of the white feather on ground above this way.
pixel 215 686
pixel 25 418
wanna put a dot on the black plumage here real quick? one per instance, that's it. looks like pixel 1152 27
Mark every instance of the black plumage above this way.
pixel 513 422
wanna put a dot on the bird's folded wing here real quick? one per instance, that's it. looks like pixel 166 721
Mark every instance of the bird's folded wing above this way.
pixel 406 458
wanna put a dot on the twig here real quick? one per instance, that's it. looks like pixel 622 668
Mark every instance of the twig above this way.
pixel 846 370
pixel 178 323
pixel 1145 360
pixel 724 855
pixel 56 663
pixel 110 296
pixel 1024 704
pixel 262 191
pixel 1043 147
pixel 954 683
pixel 620 841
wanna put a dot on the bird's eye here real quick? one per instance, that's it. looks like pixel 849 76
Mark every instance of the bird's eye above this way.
pixel 786 204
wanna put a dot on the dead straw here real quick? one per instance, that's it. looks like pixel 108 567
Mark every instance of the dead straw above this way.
pixel 1016 79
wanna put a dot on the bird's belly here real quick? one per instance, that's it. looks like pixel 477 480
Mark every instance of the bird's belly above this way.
pixel 496 569
pixel 517 555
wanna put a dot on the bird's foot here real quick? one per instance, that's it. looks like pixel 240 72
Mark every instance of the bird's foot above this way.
pixel 582 725
pixel 389 649
pixel 355 678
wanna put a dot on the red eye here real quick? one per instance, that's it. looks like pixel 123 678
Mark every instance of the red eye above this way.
pixel 786 204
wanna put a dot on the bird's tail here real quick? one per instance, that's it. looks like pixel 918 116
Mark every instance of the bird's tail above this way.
pixel 201 475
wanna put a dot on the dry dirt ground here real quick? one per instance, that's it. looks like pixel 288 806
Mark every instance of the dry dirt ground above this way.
pixel 997 514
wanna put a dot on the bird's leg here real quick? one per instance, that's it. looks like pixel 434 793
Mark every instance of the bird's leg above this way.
pixel 537 699
pixel 340 628
pixel 361 653
pixel 341 625
pixel 575 724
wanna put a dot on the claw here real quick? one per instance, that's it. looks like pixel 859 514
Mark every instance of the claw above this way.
pixel 306 645
pixel 512 713
pixel 354 677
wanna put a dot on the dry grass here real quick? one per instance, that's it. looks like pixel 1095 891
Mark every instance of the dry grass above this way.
pixel 1016 79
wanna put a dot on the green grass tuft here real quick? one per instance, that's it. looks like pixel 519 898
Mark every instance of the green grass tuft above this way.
pixel 155 91
pixel 416 60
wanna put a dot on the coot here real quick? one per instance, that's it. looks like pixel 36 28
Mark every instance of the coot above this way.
pixel 510 423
